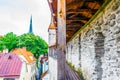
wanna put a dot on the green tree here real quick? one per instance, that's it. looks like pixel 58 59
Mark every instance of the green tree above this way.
pixel 8 41
pixel 33 43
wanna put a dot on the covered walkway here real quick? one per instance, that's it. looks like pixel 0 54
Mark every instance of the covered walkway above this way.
pixel 86 34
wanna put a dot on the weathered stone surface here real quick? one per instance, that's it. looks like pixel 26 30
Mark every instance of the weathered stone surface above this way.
pixel 115 6
pixel 118 20
pixel 112 23
pixel 118 12
pixel 113 16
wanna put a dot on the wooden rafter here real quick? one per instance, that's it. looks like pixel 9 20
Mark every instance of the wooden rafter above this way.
pixel 100 2
pixel 81 11
pixel 78 17
pixel 73 26
pixel 79 4
pixel 69 21
pixel 71 29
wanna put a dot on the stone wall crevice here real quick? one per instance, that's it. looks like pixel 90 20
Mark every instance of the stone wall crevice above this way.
pixel 99 53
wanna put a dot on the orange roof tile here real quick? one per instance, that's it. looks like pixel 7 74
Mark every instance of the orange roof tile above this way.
pixel 27 54
pixel 52 25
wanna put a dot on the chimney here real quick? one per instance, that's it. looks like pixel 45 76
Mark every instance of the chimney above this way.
pixel 5 51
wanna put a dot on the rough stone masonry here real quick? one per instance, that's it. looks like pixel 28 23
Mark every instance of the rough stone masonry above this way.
pixel 96 49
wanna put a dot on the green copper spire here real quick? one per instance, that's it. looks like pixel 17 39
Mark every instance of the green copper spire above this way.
pixel 30 29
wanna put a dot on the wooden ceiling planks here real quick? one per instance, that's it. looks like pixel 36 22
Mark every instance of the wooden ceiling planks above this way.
pixel 78 12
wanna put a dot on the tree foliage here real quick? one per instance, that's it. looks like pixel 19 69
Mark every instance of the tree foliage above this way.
pixel 9 41
pixel 33 43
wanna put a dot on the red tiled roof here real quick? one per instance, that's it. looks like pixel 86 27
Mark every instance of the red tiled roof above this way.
pixel 52 25
pixel 10 65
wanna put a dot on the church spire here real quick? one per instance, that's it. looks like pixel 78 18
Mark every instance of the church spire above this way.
pixel 30 28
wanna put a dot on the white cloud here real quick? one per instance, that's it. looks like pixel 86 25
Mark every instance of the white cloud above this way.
pixel 15 17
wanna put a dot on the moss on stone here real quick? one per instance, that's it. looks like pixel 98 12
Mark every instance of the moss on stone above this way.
pixel 70 65
pixel 80 73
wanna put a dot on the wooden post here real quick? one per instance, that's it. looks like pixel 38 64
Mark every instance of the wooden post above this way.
pixel 61 38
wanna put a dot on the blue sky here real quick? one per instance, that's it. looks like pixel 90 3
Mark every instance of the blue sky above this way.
pixel 15 17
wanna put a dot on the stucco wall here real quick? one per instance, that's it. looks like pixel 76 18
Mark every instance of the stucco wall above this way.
pixel 52 55
pixel 96 49
pixel 52 36
pixel 52 64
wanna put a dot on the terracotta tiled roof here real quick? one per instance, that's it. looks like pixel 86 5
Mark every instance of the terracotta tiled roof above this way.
pixel 27 54
pixel 10 65
pixel 52 25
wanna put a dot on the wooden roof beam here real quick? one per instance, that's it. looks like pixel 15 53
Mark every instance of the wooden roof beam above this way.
pixel 69 21
pixel 71 29
pixel 78 18
pixel 81 11
pixel 74 5
pixel 100 2
pixel 69 33
pixel 77 3
pixel 73 26
pixel 81 15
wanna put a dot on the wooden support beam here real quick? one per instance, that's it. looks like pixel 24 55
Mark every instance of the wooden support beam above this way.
pixel 74 4
pixel 69 21
pixel 73 25
pixel 81 11
pixel 69 33
pixel 61 45
pixel 77 17
pixel 100 2
pixel 71 29
pixel 77 4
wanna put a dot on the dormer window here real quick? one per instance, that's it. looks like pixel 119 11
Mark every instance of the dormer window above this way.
pixel 10 57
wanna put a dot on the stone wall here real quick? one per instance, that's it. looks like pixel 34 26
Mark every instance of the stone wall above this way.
pixel 73 52
pixel 52 63
pixel 96 49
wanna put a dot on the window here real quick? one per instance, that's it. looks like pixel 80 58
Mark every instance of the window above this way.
pixel 8 79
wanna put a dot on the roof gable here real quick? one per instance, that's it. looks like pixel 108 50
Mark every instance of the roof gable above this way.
pixel 10 65
pixel 27 54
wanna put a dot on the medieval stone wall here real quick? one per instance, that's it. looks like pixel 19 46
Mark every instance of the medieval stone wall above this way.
pixel 96 49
